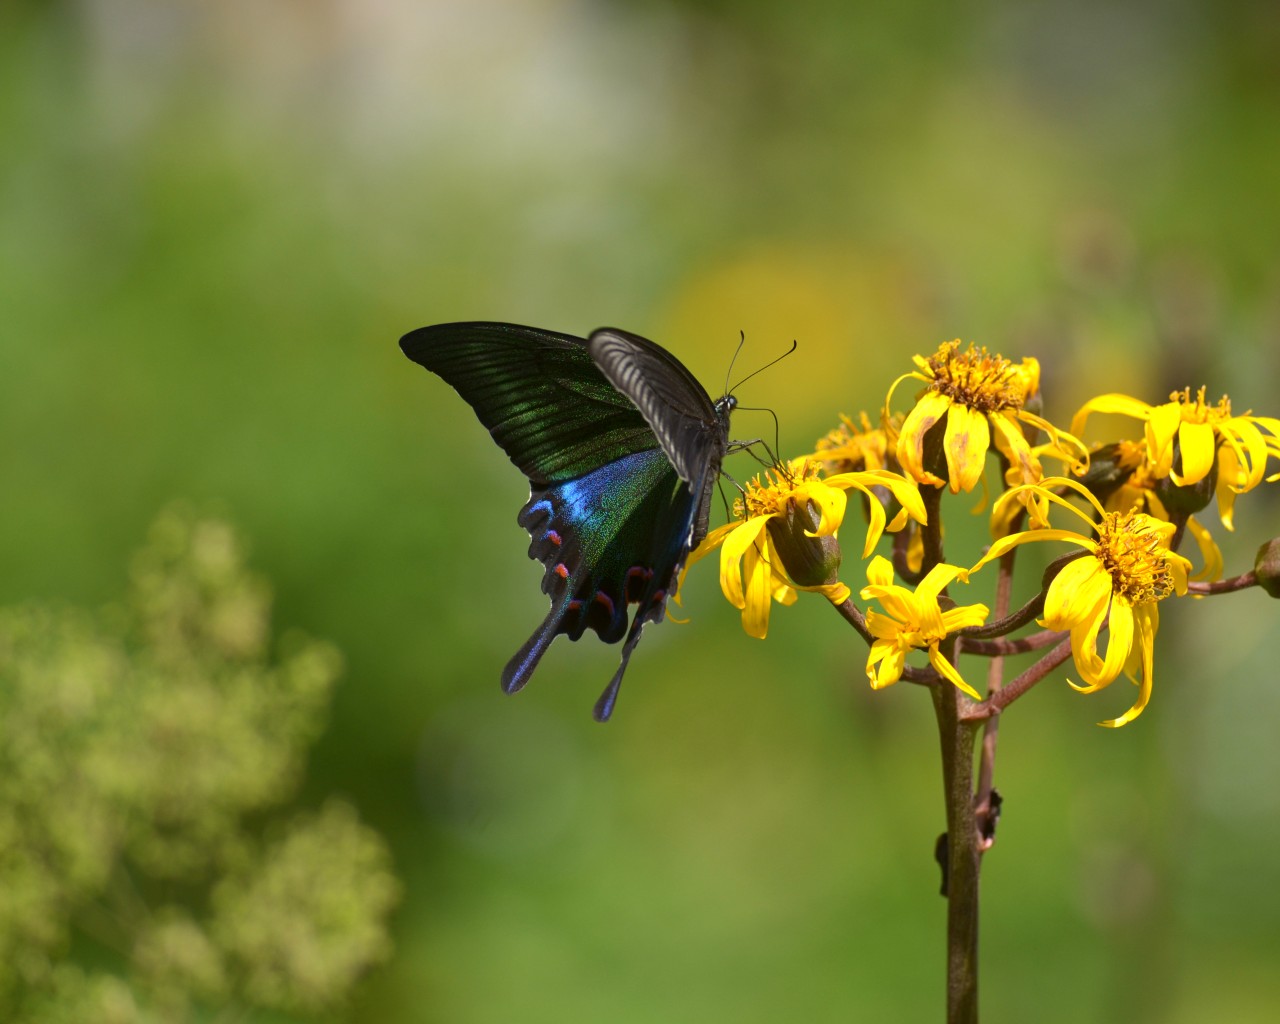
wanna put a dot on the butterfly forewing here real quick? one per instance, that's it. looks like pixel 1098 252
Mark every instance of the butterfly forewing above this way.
pixel 540 394
pixel 673 403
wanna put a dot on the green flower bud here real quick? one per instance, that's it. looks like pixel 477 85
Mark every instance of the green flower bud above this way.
pixel 809 561
pixel 1189 499
pixel 1107 472
pixel 1266 566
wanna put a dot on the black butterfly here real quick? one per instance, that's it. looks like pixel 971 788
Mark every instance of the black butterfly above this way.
pixel 622 447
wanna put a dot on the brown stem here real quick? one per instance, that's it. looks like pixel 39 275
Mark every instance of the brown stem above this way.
pixel 962 845
pixel 1019 685
pixel 1241 582
pixel 1006 623
pixel 985 808
pixel 999 648
pixel 853 615
pixel 901 541
pixel 931 532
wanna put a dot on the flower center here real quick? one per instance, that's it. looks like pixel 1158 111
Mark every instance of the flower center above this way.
pixel 1197 410
pixel 985 382
pixel 1133 548
pixel 771 496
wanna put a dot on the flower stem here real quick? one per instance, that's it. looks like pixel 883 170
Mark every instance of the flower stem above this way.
pixel 962 855
pixel 1241 582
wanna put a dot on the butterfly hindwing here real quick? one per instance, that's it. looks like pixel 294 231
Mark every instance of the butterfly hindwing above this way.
pixel 622 447
pixel 612 538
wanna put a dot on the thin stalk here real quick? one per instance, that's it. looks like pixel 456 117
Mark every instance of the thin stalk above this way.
pixel 984 811
pixel 957 741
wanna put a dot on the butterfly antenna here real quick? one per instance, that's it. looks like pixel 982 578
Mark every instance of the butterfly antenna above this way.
pixel 742 340
pixel 794 345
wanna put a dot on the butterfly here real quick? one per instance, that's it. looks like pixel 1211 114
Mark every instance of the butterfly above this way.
pixel 622 448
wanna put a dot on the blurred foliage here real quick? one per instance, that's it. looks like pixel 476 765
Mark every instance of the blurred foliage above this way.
pixel 139 748
pixel 216 219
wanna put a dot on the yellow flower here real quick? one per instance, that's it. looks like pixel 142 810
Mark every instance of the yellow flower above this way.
pixel 913 621
pixel 760 545
pixel 1132 484
pixel 852 447
pixel 1194 430
pixel 1119 583
pixel 977 392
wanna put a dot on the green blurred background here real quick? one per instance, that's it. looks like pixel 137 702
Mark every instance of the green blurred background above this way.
pixel 217 219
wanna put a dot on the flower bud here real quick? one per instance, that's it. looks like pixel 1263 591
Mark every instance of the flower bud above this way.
pixel 1266 566
pixel 1108 472
pixel 809 561
pixel 1190 498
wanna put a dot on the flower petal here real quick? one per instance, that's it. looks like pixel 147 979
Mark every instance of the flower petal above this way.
pixel 1162 425
pixel 1120 639
pixel 759 596
pixel 1148 622
pixel 1076 594
pixel 1196 443
pixel 1121 405
pixel 1012 443
pixel 1007 544
pixel 931 407
pixel 891 659
pixel 949 673
pixel 709 543
pixel 1210 553
pixel 732 550
pixel 967 439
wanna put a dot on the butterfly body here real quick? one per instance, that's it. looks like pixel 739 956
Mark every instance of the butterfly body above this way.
pixel 622 449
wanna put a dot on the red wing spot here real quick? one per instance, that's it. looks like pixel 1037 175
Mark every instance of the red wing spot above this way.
pixel 605 600
pixel 574 605
pixel 659 596
pixel 553 537
pixel 561 570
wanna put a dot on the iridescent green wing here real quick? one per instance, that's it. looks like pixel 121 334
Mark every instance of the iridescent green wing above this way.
pixel 540 394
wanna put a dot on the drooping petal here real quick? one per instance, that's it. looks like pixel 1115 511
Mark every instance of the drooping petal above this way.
pixel 891 660
pixel 1013 445
pixel 1147 620
pixel 709 543
pixel 830 502
pixel 1161 428
pixel 1076 593
pixel 1122 405
pixel 1210 553
pixel 1120 639
pixel 733 548
pixel 759 596
pixel 1239 434
pixel 1013 540
pixel 949 673
pixel 1084 649
pixel 968 436
pixel 1228 468
pixel 928 410
pixel 1196 442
